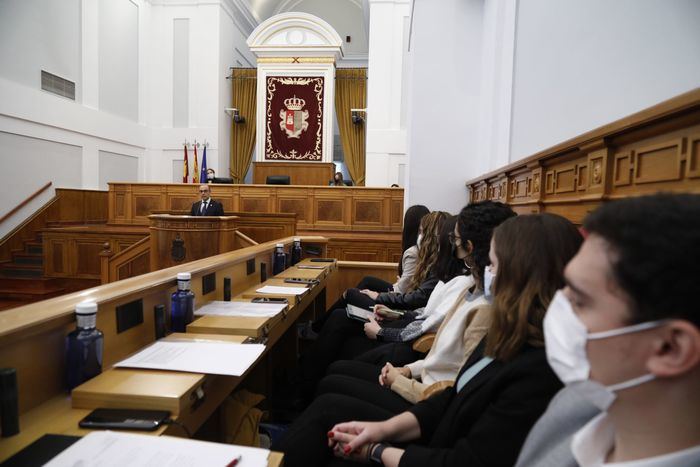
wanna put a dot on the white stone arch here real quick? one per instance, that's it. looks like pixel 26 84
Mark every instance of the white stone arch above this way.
pixel 296 44
pixel 295 34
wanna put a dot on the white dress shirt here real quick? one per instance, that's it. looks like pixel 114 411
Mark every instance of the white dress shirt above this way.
pixel 592 443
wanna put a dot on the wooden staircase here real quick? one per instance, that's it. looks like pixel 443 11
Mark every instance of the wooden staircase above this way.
pixel 22 278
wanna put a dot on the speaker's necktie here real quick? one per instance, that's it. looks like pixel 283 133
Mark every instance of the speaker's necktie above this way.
pixel 204 208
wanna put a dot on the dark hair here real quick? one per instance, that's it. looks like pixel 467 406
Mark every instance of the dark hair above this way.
pixel 447 266
pixel 532 252
pixel 655 245
pixel 431 225
pixel 475 224
pixel 411 225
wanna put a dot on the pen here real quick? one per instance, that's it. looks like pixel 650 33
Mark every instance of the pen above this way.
pixel 235 461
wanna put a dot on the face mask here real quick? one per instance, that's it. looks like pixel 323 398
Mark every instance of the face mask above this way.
pixel 419 239
pixel 210 176
pixel 565 339
pixel 489 277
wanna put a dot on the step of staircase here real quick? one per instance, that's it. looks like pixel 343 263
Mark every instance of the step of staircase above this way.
pixel 28 289
pixel 13 269
pixel 33 247
pixel 28 258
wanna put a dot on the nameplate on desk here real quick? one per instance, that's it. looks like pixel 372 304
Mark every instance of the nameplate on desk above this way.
pixel 208 357
pixel 107 449
pixel 247 309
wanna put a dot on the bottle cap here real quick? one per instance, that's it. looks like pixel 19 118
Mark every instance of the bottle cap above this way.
pixel 280 245
pixel 86 308
pixel 184 276
pixel 297 239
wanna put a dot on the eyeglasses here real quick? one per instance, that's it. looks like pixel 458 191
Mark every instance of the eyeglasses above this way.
pixel 204 191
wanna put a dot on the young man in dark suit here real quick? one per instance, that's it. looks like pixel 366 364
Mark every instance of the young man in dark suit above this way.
pixel 206 206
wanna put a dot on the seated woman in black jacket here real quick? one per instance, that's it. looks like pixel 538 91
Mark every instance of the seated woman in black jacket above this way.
pixel 500 392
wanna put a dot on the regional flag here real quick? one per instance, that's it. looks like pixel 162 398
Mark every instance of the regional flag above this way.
pixel 185 169
pixel 195 171
pixel 203 172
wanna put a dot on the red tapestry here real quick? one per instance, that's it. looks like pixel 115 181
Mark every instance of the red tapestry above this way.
pixel 294 118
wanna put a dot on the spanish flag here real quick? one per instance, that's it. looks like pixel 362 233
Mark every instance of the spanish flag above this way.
pixel 195 171
pixel 185 169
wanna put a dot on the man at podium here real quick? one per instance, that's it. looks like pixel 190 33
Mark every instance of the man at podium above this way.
pixel 206 206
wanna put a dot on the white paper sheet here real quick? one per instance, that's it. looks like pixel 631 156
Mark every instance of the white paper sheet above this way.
pixel 218 358
pixel 110 449
pixel 241 309
pixel 356 312
pixel 280 290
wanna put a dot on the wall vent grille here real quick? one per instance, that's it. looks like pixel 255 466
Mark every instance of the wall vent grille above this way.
pixel 57 85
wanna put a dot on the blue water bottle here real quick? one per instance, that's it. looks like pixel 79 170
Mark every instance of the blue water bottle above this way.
pixel 279 259
pixel 84 346
pixel 296 251
pixel 182 304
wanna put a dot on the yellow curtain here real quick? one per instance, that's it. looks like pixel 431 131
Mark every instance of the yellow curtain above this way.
pixel 244 84
pixel 351 93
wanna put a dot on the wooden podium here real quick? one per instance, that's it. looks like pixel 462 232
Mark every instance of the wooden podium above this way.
pixel 179 239
pixel 300 173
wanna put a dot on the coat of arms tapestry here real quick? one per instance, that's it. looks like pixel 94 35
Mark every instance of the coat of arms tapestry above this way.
pixel 294 118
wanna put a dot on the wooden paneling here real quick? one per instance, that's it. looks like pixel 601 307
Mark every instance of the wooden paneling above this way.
pixel 318 209
pixel 365 248
pixel 74 252
pixel 654 150
pixel 351 272
pixel 300 173
pixel 69 206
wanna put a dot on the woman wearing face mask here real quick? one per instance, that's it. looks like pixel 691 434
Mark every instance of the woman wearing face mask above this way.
pixel 463 313
pixel 501 390
pixel 624 336
pixel 337 179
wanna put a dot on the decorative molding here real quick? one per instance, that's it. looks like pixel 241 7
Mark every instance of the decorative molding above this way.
pixel 296 60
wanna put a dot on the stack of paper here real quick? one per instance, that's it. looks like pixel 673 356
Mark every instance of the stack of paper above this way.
pixel 264 310
pixel 279 290
pixel 110 449
pixel 217 358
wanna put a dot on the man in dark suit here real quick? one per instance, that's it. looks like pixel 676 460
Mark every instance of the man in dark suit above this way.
pixel 207 206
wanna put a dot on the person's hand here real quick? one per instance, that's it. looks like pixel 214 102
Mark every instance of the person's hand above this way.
pixel 342 448
pixel 389 373
pixel 352 437
pixel 372 328
pixel 370 293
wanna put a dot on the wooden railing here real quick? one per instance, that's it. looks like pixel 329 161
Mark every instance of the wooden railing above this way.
pixel 25 202
pixel 657 149
pixel 351 272
pixel 130 262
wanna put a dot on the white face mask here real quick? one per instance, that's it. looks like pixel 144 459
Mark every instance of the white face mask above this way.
pixel 565 339
pixel 419 239
pixel 489 277
pixel 210 176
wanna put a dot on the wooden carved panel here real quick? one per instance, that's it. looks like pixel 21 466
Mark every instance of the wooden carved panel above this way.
pixel 658 163
pixel 120 205
pixel 565 180
pixel 622 170
pixel 88 257
pixel 396 212
pixel 57 256
pixel 581 177
pixel 295 205
pixel 367 211
pixel 536 183
pixel 254 205
pixel 520 188
pixel 693 170
pixel 182 203
pixel 549 182
pixel 329 210
pixel 144 205
pixel 596 177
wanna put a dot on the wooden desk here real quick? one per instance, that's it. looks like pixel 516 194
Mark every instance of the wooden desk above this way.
pixel 300 173
pixel 32 340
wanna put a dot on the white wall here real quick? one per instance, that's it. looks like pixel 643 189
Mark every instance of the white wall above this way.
pixel 445 89
pixel 120 55
pixel 40 35
pixel 582 64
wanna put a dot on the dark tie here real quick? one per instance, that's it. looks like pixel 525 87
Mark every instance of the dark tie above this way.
pixel 204 207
